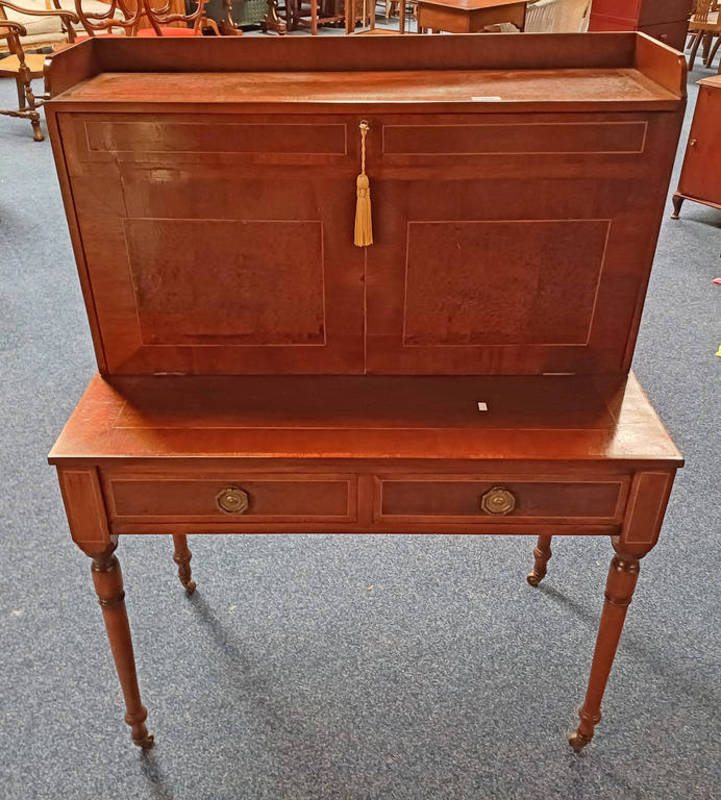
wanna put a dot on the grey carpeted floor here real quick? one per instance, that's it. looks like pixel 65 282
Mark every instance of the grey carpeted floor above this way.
pixel 287 676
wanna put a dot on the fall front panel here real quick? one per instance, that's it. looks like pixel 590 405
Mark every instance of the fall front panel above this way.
pixel 510 244
pixel 216 248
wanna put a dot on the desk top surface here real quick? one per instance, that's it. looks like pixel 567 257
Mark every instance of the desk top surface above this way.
pixel 346 417
pixel 625 85
pixel 601 69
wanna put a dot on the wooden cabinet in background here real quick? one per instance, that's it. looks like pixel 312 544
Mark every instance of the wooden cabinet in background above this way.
pixel 665 20
pixel 701 174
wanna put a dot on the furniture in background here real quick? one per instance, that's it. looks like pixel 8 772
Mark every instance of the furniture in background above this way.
pixel 468 16
pixel 700 178
pixel 268 364
pixel 392 7
pixel 25 67
pixel 232 15
pixel 171 19
pixel 665 20
pixel 320 13
pixel 43 29
pixel 557 16
pixel 115 18
pixel 363 12
pixel 704 27
pixel 171 7
pixel 143 19
pixel 46 30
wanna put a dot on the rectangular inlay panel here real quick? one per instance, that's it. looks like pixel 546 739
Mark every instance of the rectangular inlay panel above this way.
pixel 300 496
pixel 502 282
pixel 532 138
pixel 167 136
pixel 461 497
pixel 244 282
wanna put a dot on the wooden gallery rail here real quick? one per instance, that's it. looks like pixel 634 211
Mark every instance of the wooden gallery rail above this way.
pixel 464 370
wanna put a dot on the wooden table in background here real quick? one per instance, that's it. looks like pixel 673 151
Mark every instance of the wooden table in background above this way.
pixel 468 16
pixel 466 373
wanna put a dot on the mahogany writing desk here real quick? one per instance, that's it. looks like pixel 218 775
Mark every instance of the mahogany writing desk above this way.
pixel 468 372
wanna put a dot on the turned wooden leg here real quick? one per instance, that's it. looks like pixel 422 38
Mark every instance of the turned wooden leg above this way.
pixel 677 201
pixel 182 557
pixel 621 582
pixel 541 554
pixel 108 580
pixel 33 113
pixel 20 85
pixel 37 129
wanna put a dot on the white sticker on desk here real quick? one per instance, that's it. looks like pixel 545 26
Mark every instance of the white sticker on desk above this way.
pixel 486 99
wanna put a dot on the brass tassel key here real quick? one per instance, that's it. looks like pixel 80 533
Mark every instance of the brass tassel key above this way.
pixel 363 235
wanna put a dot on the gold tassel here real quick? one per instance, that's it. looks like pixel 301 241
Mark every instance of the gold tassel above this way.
pixel 363 235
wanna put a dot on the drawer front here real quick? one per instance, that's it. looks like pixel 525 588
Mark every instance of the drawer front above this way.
pixel 237 499
pixel 169 140
pixel 488 500
pixel 426 143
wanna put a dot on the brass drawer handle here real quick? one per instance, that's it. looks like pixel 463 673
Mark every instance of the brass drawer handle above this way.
pixel 498 501
pixel 232 500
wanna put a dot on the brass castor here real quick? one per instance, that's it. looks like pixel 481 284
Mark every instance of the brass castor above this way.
pixel 534 579
pixel 146 743
pixel 578 741
pixel 189 587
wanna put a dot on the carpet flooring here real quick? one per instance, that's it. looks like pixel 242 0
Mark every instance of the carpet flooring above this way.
pixel 356 667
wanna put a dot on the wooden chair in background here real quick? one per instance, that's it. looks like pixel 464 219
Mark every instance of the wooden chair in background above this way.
pixel 167 21
pixel 117 20
pixel 43 30
pixel 716 34
pixel 704 26
pixel 142 19
pixel 25 67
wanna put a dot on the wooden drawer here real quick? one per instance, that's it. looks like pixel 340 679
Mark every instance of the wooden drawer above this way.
pixel 234 498
pixel 487 500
